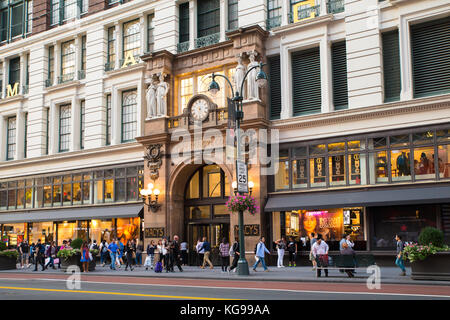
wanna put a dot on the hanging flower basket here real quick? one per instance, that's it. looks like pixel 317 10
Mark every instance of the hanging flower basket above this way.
pixel 242 203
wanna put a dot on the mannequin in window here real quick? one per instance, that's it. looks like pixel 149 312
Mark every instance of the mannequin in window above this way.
pixel 402 164
pixel 424 164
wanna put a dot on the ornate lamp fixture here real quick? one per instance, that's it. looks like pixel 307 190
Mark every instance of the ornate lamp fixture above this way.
pixel 147 198
pixel 250 187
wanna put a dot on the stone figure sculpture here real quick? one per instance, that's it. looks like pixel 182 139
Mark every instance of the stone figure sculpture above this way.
pixel 239 75
pixel 252 86
pixel 151 100
pixel 161 95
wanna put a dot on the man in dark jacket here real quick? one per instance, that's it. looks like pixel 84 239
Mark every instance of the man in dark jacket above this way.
pixel 39 249
pixel 176 253
pixel 207 247
pixel 235 250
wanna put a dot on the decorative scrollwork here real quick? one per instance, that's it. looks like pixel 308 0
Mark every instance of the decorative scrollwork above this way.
pixel 153 156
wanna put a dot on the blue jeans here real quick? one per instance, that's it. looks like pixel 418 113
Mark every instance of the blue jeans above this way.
pixel 113 260
pixel 103 257
pixel 262 262
pixel 400 264
pixel 138 259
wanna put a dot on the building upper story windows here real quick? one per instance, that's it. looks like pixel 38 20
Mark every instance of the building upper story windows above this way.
pixel 62 10
pixel 15 19
pixel 131 43
pixel 65 127
pixel 68 53
pixel 129 115
pixel 11 138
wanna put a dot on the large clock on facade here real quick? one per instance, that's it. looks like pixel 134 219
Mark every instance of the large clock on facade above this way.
pixel 200 108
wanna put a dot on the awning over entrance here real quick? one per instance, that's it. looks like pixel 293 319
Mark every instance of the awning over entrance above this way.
pixel 367 197
pixel 101 212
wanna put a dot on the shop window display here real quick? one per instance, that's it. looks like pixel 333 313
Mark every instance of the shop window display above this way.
pixel 100 230
pixel 407 221
pixel 337 170
pixel 318 172
pixel 299 173
pixel 128 229
pixel 14 233
pixel 424 163
pixel 444 161
pixel 42 230
pixel 400 165
pixel 357 165
pixel 282 175
pixel 66 230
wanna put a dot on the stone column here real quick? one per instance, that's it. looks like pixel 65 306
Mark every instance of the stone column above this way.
pixel 56 61
pixel 4 78
pixel 405 61
pixel 118 42
pixel 115 116
pixel 53 129
pixel 285 9
pixel 3 135
pixel 143 33
pixel 20 134
pixel 192 23
pixel 77 57
pixel 22 72
pixel 75 124
pixel 223 19
pixel 325 75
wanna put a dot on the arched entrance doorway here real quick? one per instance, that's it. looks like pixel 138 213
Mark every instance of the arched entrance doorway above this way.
pixel 205 195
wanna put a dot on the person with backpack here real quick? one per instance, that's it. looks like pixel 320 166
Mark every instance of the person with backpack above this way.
pixel 234 252
pixel 103 252
pixel 399 259
pixel 260 250
pixel 281 247
pixel 292 250
pixel 149 261
pixel 224 250
pixel 39 250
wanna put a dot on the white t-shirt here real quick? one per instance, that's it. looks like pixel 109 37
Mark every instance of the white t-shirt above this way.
pixel 199 245
pixel 183 246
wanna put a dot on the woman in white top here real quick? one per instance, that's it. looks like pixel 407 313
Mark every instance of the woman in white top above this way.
pixel 349 241
pixel 281 246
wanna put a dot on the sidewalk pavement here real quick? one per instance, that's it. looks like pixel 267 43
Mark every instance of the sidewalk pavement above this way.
pixel 389 275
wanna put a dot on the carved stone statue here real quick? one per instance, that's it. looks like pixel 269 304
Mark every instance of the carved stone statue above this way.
pixel 161 95
pixel 252 86
pixel 239 75
pixel 151 100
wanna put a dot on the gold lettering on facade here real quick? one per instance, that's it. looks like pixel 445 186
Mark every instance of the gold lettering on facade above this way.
pixel 129 60
pixel 11 92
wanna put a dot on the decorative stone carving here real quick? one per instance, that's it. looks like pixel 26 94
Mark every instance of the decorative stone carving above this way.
pixel 151 100
pixel 252 86
pixel 153 156
pixel 239 75
pixel 161 95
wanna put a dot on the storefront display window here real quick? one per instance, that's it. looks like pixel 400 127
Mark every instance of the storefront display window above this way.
pixel 193 190
pixel 120 190
pixel 100 230
pixel 14 233
pixel 282 175
pixel 379 167
pixel 77 193
pixel 424 163
pixel 66 230
pixel 42 230
pixel 407 221
pixel 318 174
pixel 199 212
pixel 292 224
pixel 67 194
pixel 299 173
pixel 400 165
pixel 357 165
pixel 337 170
pixel 128 229
pixel 444 161
pixel 47 196
pixel 98 191
pixel 20 197
pixel 82 230
pixel 109 190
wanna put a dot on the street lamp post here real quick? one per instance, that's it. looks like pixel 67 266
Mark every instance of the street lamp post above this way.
pixel 214 87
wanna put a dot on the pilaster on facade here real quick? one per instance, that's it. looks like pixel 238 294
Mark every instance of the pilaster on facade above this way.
pixel 20 134
pixel 118 44
pixel 252 13
pixel 115 116
pixel 56 61
pixel 325 74
pixel 364 56
pixel 192 23
pixel 406 92
pixel 3 146
pixel 23 71
pixel 166 26
pixel 223 19
pixel 143 33
pixel 4 77
pixel 285 10
pixel 75 124
pixel 77 43
pixel 54 124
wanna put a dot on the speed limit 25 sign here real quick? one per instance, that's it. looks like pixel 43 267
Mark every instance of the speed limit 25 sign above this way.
pixel 242 176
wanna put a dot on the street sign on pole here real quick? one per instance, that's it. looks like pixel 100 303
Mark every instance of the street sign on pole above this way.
pixel 242 176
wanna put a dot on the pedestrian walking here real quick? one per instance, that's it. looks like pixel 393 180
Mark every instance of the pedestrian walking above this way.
pixel 320 253
pixel 234 251
pixel 149 261
pixel 311 256
pixel 176 253
pixel 206 247
pixel 39 249
pixel 260 250
pixel 224 250
pixel 129 250
pixel 399 259
pixel 113 250
pixel 51 254
pixel 25 254
pixel 184 253
pixel 281 247
pixel 85 257
pixel 165 253
pixel 139 250
pixel 349 257
pixel 292 248
pixel 200 251
pixel 32 253
pixel 121 251
pixel 159 252
pixel 103 252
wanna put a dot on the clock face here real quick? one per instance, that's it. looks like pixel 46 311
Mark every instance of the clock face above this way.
pixel 200 109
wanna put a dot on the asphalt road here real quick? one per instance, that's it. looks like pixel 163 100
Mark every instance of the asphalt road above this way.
pixel 99 288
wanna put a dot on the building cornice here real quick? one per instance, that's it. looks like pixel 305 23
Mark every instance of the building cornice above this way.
pixel 349 115
pixel 325 19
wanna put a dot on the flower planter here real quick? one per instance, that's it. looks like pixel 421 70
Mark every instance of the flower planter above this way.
pixel 7 263
pixel 434 267
pixel 75 260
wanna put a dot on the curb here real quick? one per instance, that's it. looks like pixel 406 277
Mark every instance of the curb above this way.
pixel 252 278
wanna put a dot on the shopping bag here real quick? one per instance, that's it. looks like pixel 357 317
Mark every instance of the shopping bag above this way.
pixel 56 261
pixel 47 260
pixel 148 262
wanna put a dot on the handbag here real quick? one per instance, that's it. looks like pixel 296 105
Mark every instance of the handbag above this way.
pixel 133 255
